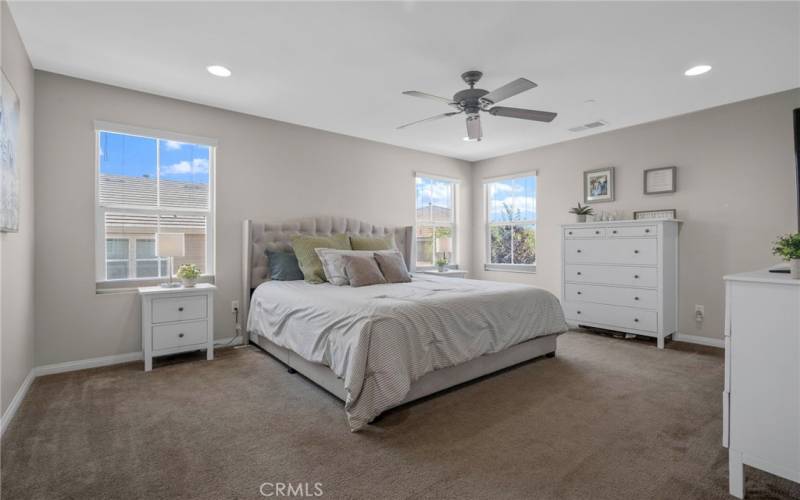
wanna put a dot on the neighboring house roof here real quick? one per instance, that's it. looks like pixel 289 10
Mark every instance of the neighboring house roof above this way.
pixel 142 192
pixel 439 214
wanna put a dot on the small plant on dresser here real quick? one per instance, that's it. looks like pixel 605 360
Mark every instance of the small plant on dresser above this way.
pixel 581 212
pixel 788 248
pixel 188 274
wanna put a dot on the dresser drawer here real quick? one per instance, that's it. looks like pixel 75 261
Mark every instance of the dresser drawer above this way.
pixel 585 232
pixel 632 231
pixel 612 295
pixel 179 334
pixel 611 316
pixel 179 308
pixel 633 251
pixel 612 275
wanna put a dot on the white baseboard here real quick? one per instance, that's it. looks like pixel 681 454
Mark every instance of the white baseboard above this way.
pixel 82 364
pixel 696 339
pixel 18 397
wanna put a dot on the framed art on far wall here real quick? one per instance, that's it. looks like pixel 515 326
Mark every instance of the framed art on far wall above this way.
pixel 598 185
pixel 660 180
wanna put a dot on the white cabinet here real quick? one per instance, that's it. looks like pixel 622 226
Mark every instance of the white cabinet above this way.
pixel 177 320
pixel 622 276
pixel 761 397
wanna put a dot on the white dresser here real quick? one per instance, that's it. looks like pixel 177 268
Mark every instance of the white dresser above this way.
pixel 177 320
pixel 761 399
pixel 621 276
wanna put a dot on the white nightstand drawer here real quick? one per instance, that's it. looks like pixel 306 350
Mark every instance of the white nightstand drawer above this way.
pixel 179 334
pixel 179 309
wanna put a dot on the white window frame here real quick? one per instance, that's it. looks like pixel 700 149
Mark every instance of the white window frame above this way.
pixel 453 225
pixel 513 268
pixel 102 284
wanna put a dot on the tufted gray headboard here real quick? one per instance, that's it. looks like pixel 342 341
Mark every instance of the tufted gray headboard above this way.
pixel 256 237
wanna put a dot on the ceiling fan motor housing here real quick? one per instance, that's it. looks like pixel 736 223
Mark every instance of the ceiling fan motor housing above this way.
pixel 470 99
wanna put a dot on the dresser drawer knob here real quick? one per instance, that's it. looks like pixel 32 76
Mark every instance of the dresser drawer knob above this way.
pixel 636 251
pixel 180 335
pixel 646 230
pixel 579 312
pixel 614 232
pixel 579 250
pixel 597 232
pixel 579 292
pixel 635 320
pixel 636 298
pixel 180 309
pixel 570 232
pixel 636 276
pixel 579 273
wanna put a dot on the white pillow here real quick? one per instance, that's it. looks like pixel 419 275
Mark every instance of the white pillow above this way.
pixel 333 265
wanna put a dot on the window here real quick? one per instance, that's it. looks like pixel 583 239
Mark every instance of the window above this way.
pixel 511 223
pixel 435 221
pixel 147 183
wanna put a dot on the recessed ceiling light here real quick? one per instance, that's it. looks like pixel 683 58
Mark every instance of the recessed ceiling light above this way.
pixel 219 71
pixel 697 70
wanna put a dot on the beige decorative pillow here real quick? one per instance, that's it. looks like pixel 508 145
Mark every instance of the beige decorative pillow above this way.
pixel 373 243
pixel 362 270
pixel 392 266
pixel 307 258
pixel 333 263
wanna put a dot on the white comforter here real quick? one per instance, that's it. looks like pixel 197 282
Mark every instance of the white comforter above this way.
pixel 379 339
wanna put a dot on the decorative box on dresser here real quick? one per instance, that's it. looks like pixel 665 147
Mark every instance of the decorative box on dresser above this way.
pixel 177 320
pixel 621 276
pixel 761 398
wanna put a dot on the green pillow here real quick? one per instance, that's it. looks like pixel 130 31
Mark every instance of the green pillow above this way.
pixel 307 258
pixel 374 244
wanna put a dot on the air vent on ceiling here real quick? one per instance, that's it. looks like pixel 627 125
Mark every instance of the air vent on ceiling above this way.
pixel 590 125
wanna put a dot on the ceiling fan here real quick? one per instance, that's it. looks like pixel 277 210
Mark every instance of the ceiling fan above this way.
pixel 472 101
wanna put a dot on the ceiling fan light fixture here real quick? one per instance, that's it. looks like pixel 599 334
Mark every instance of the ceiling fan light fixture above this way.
pixel 474 131
pixel 697 70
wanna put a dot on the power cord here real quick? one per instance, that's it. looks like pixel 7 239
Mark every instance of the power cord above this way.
pixel 235 322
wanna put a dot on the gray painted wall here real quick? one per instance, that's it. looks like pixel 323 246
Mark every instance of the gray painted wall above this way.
pixel 266 170
pixel 736 193
pixel 16 249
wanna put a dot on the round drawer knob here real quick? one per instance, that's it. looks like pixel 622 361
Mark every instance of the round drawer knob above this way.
pixel 180 335
pixel 579 273
pixel 636 276
pixel 579 292
pixel 636 251
pixel 570 232
pixel 180 309
pixel 636 298
pixel 597 232
pixel 579 250
pixel 614 232
pixel 646 230
pixel 579 312
pixel 635 320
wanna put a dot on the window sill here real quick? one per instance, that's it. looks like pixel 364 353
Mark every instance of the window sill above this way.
pixel 132 286
pixel 511 268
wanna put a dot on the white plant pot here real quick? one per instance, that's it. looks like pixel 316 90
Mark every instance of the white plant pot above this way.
pixel 187 283
pixel 580 217
pixel 794 268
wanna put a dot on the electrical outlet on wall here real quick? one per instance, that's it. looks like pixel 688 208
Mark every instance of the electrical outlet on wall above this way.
pixel 699 313
pixel 234 306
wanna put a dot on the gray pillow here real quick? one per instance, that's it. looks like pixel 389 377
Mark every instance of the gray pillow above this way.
pixel 362 270
pixel 283 266
pixel 333 264
pixel 392 266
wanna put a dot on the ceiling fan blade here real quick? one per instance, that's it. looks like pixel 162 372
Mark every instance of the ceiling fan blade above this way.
pixel 508 90
pixel 474 132
pixel 414 93
pixel 525 114
pixel 430 119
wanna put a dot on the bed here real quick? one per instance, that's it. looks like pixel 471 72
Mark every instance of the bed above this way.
pixel 381 346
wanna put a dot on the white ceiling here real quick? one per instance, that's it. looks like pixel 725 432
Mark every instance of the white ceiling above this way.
pixel 342 66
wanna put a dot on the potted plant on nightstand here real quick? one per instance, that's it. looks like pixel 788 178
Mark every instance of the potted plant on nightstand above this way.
pixel 441 264
pixel 188 274
pixel 788 247
pixel 581 212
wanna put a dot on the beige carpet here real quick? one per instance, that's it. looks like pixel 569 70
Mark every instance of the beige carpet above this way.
pixel 605 419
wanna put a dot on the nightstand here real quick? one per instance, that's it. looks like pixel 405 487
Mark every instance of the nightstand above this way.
pixel 177 320
pixel 450 273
